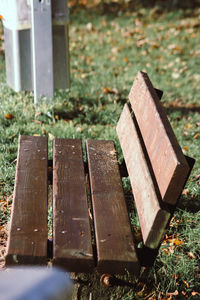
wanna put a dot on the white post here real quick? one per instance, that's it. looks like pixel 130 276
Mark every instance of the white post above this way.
pixel 42 49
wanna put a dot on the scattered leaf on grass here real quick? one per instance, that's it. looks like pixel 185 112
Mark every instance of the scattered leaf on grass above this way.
pixel 185 192
pixel 38 122
pixel 191 255
pixel 186 283
pixel 188 126
pixel 108 90
pixel 175 242
pixel 197 176
pixel 9 116
pixel 196 136
pixel 51 136
pixel 175 293
pixel 195 293
pixel 175 75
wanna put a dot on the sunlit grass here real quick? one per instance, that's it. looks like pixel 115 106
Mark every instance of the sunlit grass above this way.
pixel 106 53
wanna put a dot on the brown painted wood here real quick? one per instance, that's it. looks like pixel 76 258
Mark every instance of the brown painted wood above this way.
pixel 115 247
pixel 153 218
pixel 28 235
pixel 169 164
pixel 72 245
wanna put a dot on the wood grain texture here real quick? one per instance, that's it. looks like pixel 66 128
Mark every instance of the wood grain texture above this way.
pixel 72 245
pixel 153 218
pixel 115 247
pixel 169 164
pixel 28 235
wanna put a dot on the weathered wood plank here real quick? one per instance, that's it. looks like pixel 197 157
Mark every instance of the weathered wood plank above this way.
pixel 72 245
pixel 153 218
pixel 169 164
pixel 28 235
pixel 115 247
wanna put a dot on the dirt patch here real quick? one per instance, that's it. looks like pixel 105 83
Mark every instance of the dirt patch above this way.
pixel 89 286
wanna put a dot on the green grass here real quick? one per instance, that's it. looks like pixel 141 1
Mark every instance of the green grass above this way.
pixel 106 52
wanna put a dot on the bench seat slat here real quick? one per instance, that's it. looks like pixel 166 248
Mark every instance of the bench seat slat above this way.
pixel 28 236
pixel 115 247
pixel 153 218
pixel 169 164
pixel 72 246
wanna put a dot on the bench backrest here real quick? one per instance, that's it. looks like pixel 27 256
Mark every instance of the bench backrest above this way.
pixel 156 165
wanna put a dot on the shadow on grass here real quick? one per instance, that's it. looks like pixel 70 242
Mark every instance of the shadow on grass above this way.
pixel 190 204
pixel 113 8
pixel 184 110
pixel 89 111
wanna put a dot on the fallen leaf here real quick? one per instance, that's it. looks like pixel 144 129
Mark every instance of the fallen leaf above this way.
pixel 197 176
pixel 175 242
pixel 185 192
pixel 79 129
pixel 188 126
pixel 126 59
pixel 108 90
pixel 38 122
pixel 195 293
pixel 89 26
pixel 186 148
pixel 138 22
pixel 191 255
pixel 51 136
pixel 175 75
pixel 84 75
pixel 113 152
pixel 186 283
pixel 9 116
pixel 195 136
pixel 175 293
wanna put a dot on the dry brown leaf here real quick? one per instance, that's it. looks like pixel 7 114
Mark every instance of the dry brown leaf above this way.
pixel 175 242
pixel 191 255
pixel 195 293
pixel 9 116
pixel 188 126
pixel 126 59
pixel 175 293
pixel 185 192
pixel 186 283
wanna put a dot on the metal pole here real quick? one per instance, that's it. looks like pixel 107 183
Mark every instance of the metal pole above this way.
pixel 42 49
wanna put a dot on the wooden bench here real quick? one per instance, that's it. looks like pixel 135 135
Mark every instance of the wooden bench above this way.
pixel 158 171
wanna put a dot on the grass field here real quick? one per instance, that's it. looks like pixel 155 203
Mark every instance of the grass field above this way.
pixel 107 48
